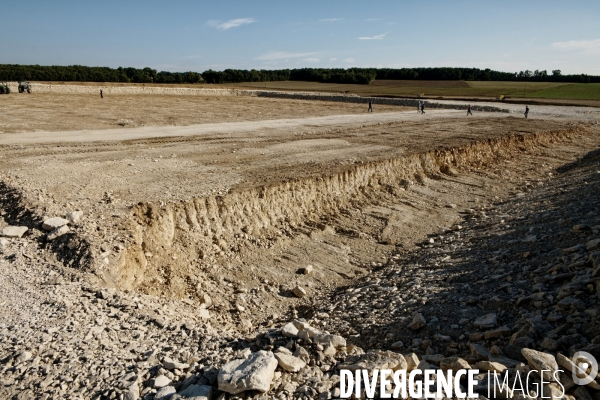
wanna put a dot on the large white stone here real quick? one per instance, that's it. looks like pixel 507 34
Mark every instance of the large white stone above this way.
pixel 541 362
pixel 330 340
pixel 301 325
pixel 74 216
pixel 161 381
pixel 289 363
pixel 412 361
pixel 254 373
pixel 171 364
pixel 14 231
pixel 299 291
pixel 289 330
pixel 132 392
pixel 54 223
pixel 24 356
pixel 204 313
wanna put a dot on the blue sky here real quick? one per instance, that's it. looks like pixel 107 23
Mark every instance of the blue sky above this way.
pixel 183 35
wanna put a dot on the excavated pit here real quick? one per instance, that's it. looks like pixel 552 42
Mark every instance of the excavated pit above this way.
pixel 245 249
pixel 230 218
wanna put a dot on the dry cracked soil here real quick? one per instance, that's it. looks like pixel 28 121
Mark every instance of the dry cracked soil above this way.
pixel 231 247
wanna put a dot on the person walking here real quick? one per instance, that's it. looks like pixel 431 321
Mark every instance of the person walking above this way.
pixel 469 111
pixel 423 108
pixel 419 107
pixel 101 96
pixel 526 111
pixel 370 106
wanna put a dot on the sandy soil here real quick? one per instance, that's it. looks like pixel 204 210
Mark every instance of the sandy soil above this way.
pixel 231 129
pixel 216 158
pixel 54 112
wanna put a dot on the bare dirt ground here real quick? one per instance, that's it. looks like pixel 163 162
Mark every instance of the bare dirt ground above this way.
pixel 53 112
pixel 194 235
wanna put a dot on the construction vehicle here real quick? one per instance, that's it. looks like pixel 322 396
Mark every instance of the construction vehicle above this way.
pixel 4 89
pixel 24 86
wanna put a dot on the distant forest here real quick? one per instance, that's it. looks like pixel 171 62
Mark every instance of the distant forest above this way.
pixel 78 73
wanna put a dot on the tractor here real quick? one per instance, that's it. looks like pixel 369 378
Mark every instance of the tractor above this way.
pixel 4 89
pixel 24 86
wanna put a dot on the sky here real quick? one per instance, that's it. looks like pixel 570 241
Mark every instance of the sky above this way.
pixel 186 35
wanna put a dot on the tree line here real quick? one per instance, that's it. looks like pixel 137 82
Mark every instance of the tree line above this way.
pixel 329 75
pixel 556 76
pixel 79 73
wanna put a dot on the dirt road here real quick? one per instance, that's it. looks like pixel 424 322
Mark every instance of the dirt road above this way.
pixel 85 118
pixel 231 129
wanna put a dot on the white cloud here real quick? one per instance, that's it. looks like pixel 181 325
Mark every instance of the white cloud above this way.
pixel 350 60
pixel 333 59
pixel 377 37
pixel 282 55
pixel 232 23
pixel 331 19
pixel 584 46
pixel 311 60
pixel 372 19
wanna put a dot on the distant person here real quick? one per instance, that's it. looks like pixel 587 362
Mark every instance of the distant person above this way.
pixel 101 96
pixel 419 107
pixel 526 111
pixel 469 111
pixel 423 108
pixel 370 106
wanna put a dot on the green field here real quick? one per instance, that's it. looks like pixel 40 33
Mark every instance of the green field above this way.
pixel 587 91
pixel 473 89
pixel 541 90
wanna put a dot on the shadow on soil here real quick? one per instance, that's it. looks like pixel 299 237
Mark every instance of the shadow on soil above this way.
pixel 493 270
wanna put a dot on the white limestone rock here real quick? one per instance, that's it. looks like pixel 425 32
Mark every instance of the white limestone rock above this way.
pixel 161 381
pixel 289 362
pixel 541 362
pixel 58 232
pixel 289 330
pixel 74 216
pixel 254 373
pixel 299 291
pixel 54 223
pixel 14 231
